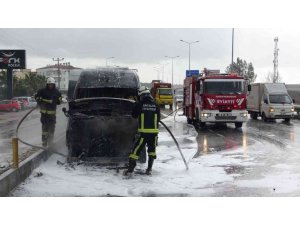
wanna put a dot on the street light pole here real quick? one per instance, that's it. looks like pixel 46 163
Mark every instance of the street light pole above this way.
pixel 157 70
pixel 163 69
pixel 189 43
pixel 107 59
pixel 172 57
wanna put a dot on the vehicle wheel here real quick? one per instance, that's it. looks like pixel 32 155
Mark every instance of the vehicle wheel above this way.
pixel 238 124
pixel 171 107
pixel 14 110
pixel 287 120
pixel 143 156
pixel 253 116
pixel 263 116
pixel 201 124
pixel 73 150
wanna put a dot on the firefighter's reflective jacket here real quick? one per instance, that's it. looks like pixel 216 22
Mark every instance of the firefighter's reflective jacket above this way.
pixel 148 114
pixel 48 99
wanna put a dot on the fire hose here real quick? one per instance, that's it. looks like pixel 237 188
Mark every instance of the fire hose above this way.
pixel 31 145
pixel 185 163
pixel 58 153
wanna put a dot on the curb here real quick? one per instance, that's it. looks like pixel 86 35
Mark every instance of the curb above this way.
pixel 13 177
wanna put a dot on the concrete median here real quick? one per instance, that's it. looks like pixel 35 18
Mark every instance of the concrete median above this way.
pixel 13 177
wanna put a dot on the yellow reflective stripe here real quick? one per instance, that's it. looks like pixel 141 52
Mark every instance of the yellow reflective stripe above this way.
pixel 142 121
pixel 155 121
pixel 48 112
pixel 139 145
pixel 151 153
pixel 46 100
pixel 44 132
pixel 133 156
pixel 148 130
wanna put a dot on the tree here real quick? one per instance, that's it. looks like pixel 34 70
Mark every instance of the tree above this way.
pixel 26 86
pixel 242 68
pixel 33 82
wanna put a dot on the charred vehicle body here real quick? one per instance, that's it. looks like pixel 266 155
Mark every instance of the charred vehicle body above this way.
pixel 100 123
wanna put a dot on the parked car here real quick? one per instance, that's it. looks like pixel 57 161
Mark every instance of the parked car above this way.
pixel 10 105
pixel 28 102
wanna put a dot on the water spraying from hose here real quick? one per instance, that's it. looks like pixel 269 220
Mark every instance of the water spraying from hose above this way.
pixel 31 145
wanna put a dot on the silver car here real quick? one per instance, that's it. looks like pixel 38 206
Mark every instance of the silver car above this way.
pixel 31 102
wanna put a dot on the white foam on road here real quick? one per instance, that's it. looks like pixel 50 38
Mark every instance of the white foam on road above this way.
pixel 248 166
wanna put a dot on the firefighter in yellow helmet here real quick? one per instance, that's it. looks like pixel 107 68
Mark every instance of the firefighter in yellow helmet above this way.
pixel 148 114
pixel 48 98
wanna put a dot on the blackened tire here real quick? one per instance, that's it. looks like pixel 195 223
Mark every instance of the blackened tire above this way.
pixel 202 124
pixel 287 120
pixel 14 110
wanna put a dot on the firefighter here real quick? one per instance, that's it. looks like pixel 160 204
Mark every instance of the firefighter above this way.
pixel 148 114
pixel 48 98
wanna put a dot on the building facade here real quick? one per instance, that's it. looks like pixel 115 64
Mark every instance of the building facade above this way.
pixel 67 72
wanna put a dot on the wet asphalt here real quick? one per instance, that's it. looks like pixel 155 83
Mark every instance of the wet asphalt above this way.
pixel 270 145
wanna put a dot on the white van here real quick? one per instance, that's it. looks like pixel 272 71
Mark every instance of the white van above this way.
pixel 270 101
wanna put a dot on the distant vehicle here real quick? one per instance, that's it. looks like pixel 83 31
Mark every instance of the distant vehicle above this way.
pixel 28 102
pixel 270 101
pixel 178 98
pixel 162 93
pixel 100 123
pixel 10 105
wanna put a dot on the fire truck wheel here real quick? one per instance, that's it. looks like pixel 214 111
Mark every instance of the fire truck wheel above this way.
pixel 238 124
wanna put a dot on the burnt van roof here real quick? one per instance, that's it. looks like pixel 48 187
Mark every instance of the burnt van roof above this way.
pixel 108 77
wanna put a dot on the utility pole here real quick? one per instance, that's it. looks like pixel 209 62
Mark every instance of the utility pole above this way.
pixel 58 70
pixel 232 46
pixel 275 62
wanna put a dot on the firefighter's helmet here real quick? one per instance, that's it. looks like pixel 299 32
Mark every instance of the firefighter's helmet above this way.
pixel 144 90
pixel 50 80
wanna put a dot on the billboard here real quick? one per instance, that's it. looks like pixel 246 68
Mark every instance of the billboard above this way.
pixel 12 59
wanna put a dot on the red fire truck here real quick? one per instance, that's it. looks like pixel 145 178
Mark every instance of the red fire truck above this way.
pixel 215 97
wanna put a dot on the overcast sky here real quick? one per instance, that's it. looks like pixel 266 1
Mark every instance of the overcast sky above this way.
pixel 144 49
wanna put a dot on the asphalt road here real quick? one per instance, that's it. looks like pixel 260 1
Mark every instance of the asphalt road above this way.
pixel 263 158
